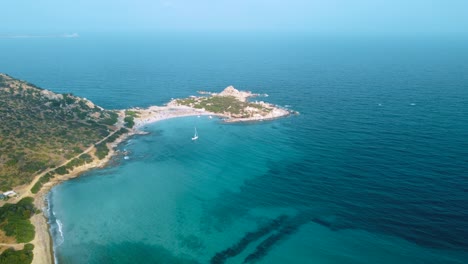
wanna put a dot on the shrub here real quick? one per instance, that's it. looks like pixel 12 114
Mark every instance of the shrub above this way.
pixel 14 219
pixel 11 256
pixel 101 150
pixel 129 121
pixel 36 187
pixel 61 170
pixel 112 119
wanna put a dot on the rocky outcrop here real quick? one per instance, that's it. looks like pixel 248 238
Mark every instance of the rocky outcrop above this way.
pixel 231 91
pixel 51 95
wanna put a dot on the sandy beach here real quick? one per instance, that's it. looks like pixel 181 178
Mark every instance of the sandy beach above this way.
pixel 157 113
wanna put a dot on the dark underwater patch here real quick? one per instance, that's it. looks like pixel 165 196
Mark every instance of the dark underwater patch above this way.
pixel 249 237
pixel 285 231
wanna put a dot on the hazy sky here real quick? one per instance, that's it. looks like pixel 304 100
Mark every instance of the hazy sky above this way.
pixel 324 16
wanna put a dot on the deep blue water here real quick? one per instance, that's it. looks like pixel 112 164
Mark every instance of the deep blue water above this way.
pixel 374 170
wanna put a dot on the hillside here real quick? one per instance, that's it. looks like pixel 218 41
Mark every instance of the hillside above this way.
pixel 40 129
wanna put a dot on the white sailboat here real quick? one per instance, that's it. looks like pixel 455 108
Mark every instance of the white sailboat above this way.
pixel 195 137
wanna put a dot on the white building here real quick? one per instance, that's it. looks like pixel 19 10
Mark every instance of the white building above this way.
pixel 10 193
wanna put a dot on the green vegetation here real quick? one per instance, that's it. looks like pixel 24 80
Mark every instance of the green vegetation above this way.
pixel 84 158
pixel 113 118
pixel 222 105
pixel 14 219
pixel 41 129
pixel 129 118
pixel 186 101
pixel 129 121
pixel 76 162
pixel 41 181
pixel 62 170
pixel 11 256
pixel 102 150
pixel 131 113
pixel 116 135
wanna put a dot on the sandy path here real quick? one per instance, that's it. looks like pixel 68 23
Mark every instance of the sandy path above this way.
pixel 158 113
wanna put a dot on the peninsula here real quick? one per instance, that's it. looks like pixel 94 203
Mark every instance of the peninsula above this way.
pixel 47 138
pixel 233 105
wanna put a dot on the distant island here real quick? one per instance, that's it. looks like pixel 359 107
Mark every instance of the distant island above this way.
pixel 233 105
pixel 47 138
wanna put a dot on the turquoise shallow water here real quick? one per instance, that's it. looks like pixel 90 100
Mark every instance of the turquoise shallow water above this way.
pixel 177 184
pixel 372 171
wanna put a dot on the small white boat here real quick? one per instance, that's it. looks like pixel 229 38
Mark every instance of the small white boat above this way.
pixel 126 157
pixel 195 137
pixel 211 117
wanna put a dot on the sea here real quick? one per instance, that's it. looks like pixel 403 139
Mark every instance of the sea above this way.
pixel 374 169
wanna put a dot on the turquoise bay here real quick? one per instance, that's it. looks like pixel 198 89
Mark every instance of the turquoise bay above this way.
pixel 372 171
pixel 166 197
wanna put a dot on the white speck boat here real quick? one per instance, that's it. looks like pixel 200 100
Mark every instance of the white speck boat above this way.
pixel 195 137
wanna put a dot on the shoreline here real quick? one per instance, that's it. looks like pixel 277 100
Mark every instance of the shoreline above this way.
pixel 43 241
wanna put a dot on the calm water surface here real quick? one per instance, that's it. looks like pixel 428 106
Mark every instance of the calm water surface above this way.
pixel 372 171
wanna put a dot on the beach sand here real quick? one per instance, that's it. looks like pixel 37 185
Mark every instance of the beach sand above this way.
pixel 158 113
